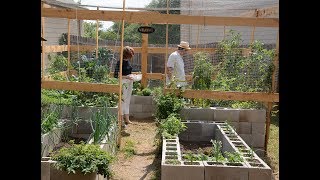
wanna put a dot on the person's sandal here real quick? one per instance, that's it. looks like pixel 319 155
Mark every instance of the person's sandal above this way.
pixel 128 122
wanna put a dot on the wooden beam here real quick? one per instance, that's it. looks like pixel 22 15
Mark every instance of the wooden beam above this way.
pixel 151 50
pixel 155 76
pixel 144 59
pixel 157 18
pixel 42 44
pixel 97 37
pixel 270 104
pixel 80 86
pixel 68 67
pixel 56 48
pixel 228 95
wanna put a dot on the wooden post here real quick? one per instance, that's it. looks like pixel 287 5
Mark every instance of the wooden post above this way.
pixel 198 37
pixel 268 120
pixel 166 56
pixel 120 80
pixel 42 45
pixel 252 34
pixel 144 59
pixel 97 37
pixel 68 68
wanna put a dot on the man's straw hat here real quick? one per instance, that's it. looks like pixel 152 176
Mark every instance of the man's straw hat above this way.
pixel 184 45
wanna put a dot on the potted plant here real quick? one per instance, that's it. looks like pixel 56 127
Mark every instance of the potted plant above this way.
pixel 81 161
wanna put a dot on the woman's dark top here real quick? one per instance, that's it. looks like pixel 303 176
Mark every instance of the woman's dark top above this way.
pixel 126 68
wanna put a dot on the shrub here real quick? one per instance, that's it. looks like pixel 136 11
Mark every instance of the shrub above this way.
pixel 84 158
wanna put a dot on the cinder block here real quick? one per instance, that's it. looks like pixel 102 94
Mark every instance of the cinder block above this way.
pixel 202 114
pixel 49 140
pixel 219 172
pixel 258 128
pixel 235 126
pixel 247 138
pixel 258 140
pixel 206 138
pixel 83 127
pixel 141 100
pixel 208 129
pixel 244 128
pixel 142 115
pixel 45 170
pixel 229 115
pixel 193 128
pixel 253 115
pixel 182 172
pixel 132 99
pixel 135 108
pixel 260 173
pixel 147 108
pixel 85 113
pixel 193 138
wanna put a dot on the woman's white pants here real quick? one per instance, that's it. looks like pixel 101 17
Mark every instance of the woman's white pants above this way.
pixel 127 86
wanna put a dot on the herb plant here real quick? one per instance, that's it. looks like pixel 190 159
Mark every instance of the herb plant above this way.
pixel 83 158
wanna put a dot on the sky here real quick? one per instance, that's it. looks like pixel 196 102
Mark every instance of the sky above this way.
pixel 116 3
pixel 113 3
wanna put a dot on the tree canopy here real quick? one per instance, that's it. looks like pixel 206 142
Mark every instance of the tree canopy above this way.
pixel 131 33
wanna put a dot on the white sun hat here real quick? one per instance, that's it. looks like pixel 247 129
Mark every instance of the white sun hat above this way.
pixel 184 44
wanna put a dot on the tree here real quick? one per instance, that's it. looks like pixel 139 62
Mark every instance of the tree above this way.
pixel 158 37
pixel 131 33
pixel 90 29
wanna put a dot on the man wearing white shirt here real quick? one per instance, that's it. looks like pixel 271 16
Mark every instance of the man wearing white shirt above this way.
pixel 175 66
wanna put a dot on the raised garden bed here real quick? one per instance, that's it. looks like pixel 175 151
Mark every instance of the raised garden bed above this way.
pixel 81 131
pixel 176 166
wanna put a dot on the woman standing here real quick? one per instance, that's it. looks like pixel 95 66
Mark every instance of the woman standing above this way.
pixel 127 82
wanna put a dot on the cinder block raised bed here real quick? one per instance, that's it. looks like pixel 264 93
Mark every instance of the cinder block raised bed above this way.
pixel 174 167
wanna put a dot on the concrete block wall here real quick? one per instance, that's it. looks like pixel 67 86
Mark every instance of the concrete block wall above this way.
pixel 253 167
pixel 248 123
pixel 198 131
pixel 142 107
pixel 50 140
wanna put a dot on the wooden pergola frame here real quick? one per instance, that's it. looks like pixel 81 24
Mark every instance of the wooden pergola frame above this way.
pixel 156 18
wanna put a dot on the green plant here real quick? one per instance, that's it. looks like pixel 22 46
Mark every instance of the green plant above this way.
pixel 233 157
pixel 136 88
pixel 244 73
pixel 146 92
pixel 104 56
pixel 199 102
pixel 128 149
pixel 84 158
pixel 167 104
pixel 203 157
pixel 229 127
pixel 173 161
pixel 172 126
pixel 216 150
pixel 101 122
pixel 189 156
pixel 202 71
pixel 100 72
pixel 50 118
pixel 251 154
pixel 58 63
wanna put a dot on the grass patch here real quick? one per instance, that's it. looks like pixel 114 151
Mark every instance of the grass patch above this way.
pixel 273 144
pixel 128 149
